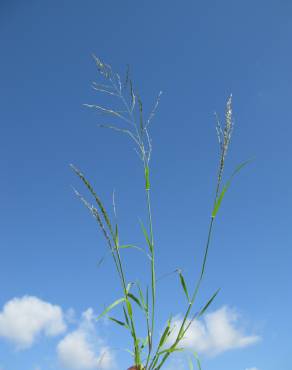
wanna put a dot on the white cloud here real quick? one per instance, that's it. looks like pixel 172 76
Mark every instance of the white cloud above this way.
pixel 78 349
pixel 22 320
pixel 216 333
pixel 252 368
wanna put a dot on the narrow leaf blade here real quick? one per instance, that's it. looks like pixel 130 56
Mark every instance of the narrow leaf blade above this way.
pixel 111 306
pixel 146 237
pixel 121 323
pixel 225 188
pixel 184 286
pixel 135 299
pixel 197 360
pixel 202 311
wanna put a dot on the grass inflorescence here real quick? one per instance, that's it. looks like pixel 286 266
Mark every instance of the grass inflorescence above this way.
pixel 147 354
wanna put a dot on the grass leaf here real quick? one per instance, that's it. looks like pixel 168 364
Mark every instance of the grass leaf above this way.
pixel 129 307
pixel 171 350
pixel 119 322
pixel 110 307
pixel 184 286
pixel 197 360
pixel 142 299
pixel 127 246
pixel 190 363
pixel 202 311
pixel 135 299
pixel 225 188
pixel 147 237
pixel 164 335
pixel 126 316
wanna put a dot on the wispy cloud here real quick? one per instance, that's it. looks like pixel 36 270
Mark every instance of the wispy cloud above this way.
pixel 22 320
pixel 78 349
pixel 251 368
pixel 218 332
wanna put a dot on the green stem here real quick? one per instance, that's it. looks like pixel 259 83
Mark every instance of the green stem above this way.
pixel 153 278
pixel 148 201
pixel 129 309
pixel 182 330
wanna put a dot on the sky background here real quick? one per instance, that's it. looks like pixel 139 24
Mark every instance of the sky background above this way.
pixel 197 53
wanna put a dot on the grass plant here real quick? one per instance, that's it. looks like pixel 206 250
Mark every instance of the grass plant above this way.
pixel 149 354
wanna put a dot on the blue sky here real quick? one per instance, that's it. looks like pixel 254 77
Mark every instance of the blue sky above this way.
pixel 197 53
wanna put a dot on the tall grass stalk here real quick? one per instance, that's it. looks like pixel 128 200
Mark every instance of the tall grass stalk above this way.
pixel 147 355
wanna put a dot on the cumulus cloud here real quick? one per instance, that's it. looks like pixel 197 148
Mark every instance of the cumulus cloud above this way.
pixel 216 333
pixel 22 320
pixel 78 349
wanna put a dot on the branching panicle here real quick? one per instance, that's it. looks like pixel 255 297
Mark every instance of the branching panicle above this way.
pixel 137 128
pixel 152 114
pixel 133 113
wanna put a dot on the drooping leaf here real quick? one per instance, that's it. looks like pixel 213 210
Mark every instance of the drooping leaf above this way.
pixel 135 299
pixel 121 323
pixel 184 286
